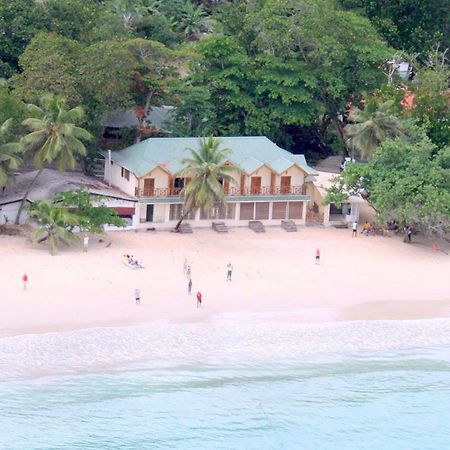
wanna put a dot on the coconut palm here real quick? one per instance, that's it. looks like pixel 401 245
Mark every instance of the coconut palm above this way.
pixel 55 225
pixel 207 170
pixel 193 20
pixel 53 137
pixel 372 125
pixel 10 154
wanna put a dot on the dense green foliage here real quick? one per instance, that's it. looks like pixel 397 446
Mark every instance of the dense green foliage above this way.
pixel 90 211
pixel 411 25
pixel 10 153
pixel 407 182
pixel 316 76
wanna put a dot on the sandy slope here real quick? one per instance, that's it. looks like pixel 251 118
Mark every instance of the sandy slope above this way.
pixel 363 278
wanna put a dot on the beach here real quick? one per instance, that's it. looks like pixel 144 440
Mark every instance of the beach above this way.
pixel 275 278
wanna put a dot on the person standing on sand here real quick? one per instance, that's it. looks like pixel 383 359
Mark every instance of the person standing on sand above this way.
pixel 354 229
pixel 199 299
pixel 137 296
pixel 25 281
pixel 229 271
pixel 85 243
pixel 188 271
pixel 318 256
pixel 190 286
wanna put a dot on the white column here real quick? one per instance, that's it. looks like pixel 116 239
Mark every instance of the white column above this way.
pixel 326 215
pixel 270 210
pixel 166 212
pixel 304 212
pixel 197 215
pixel 238 211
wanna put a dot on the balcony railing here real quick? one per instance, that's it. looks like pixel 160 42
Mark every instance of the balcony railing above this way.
pixel 231 191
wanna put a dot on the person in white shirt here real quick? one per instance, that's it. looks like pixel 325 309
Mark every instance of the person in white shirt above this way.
pixel 85 243
pixel 354 229
pixel 229 271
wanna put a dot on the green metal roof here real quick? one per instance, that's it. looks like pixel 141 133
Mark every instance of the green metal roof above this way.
pixel 249 153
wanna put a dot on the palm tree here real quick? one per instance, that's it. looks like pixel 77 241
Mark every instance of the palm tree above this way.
pixel 55 225
pixel 193 20
pixel 372 125
pixel 10 154
pixel 207 170
pixel 53 136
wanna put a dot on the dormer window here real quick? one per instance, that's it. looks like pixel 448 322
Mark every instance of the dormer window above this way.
pixel 125 174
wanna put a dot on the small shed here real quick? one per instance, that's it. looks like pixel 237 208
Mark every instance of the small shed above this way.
pixel 331 214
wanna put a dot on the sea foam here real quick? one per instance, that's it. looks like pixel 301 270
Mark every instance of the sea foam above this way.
pixel 217 342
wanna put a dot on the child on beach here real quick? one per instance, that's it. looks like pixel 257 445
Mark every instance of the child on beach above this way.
pixel 318 256
pixel 188 271
pixel 199 299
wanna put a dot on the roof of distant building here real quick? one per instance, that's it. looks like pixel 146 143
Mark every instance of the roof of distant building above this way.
pixel 158 117
pixel 249 153
pixel 50 182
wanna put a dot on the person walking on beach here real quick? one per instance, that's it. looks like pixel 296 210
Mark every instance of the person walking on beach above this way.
pixel 318 256
pixel 190 286
pixel 137 296
pixel 199 299
pixel 25 281
pixel 85 243
pixel 354 229
pixel 229 271
pixel 188 271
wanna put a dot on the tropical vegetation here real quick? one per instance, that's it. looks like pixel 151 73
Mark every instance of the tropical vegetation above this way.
pixel 53 137
pixel 319 77
pixel 207 170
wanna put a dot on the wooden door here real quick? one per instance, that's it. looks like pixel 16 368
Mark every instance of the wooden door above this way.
pixel 285 185
pixel 226 187
pixel 149 213
pixel 149 187
pixel 255 185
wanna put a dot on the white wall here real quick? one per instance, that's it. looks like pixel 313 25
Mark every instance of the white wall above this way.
pixel 161 178
pixel 8 213
pixel 297 176
pixel 121 183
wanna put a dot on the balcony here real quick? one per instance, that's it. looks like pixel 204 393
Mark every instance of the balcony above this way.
pixel 230 192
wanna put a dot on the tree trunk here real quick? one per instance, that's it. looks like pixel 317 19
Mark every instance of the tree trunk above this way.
pixel 24 199
pixel 341 133
pixel 183 216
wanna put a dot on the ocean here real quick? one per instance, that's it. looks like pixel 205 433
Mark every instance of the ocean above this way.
pixel 259 385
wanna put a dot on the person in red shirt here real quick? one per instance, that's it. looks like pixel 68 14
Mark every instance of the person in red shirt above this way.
pixel 318 256
pixel 199 299
pixel 25 281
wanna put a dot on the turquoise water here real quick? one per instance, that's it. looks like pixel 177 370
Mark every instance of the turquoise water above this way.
pixel 360 385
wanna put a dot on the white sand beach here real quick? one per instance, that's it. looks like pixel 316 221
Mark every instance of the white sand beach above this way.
pixel 363 278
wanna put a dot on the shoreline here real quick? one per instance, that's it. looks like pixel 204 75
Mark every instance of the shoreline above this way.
pixel 364 312
pixel 368 278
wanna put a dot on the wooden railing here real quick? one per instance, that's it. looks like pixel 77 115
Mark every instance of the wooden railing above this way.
pixel 231 191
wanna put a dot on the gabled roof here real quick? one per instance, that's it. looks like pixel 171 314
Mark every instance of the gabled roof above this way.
pixel 249 153
pixel 158 116
pixel 250 165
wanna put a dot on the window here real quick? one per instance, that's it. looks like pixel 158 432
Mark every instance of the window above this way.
pixel 125 174
pixel 247 211
pixel 279 210
pixel 262 211
pixel 295 210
